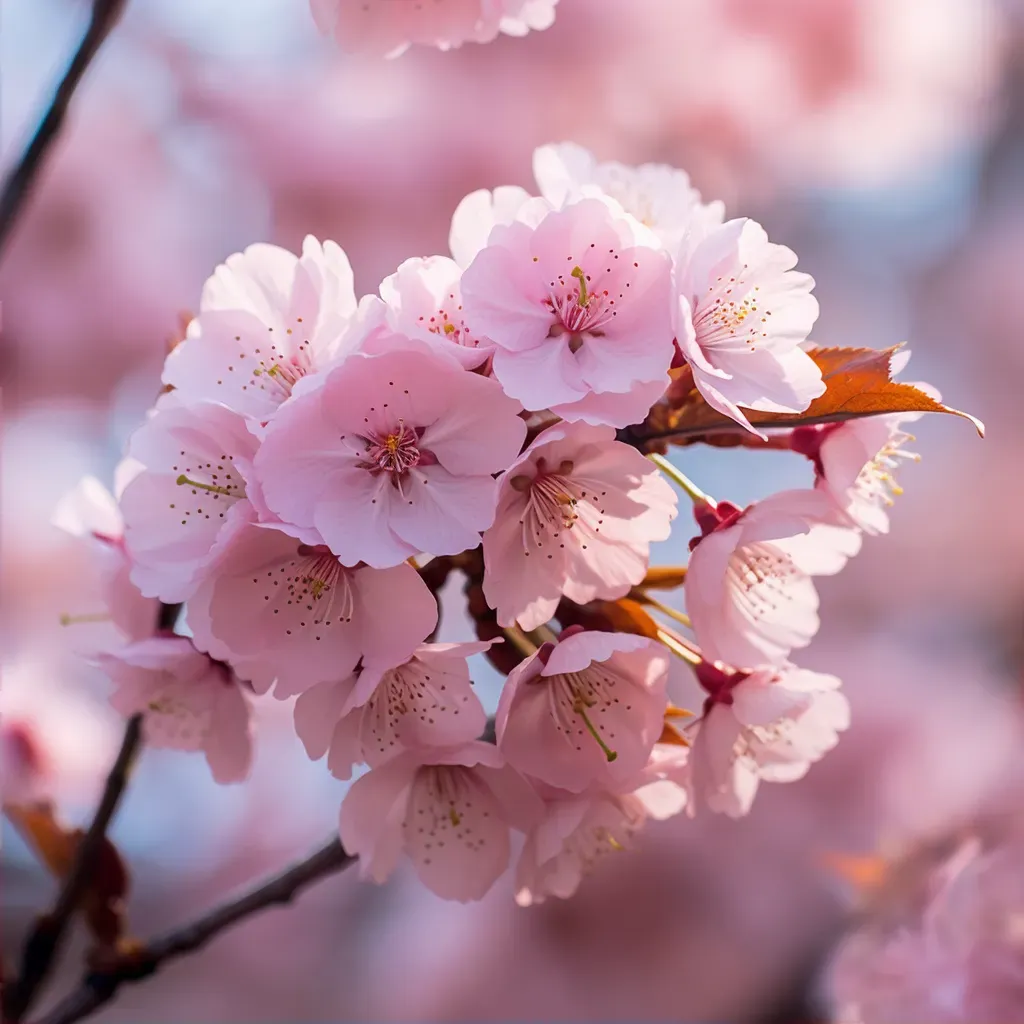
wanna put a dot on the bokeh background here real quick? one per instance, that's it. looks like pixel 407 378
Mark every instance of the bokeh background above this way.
pixel 883 140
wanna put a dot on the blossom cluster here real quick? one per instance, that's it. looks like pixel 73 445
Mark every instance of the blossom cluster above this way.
pixel 313 453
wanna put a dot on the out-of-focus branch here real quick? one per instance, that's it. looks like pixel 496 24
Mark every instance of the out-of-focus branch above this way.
pixel 44 941
pixel 101 985
pixel 18 183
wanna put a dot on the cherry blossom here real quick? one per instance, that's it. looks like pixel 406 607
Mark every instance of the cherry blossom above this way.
pixel 855 464
pixel 191 495
pixel 187 701
pixel 749 591
pixel 477 215
pixel 766 724
pixel 659 196
pixel 577 303
pixel 450 811
pixel 577 831
pixel 424 300
pixel 427 701
pixel 392 455
pixel 387 28
pixel 280 609
pixel 957 961
pixel 587 710
pixel 91 512
pixel 743 315
pixel 576 517
pixel 267 318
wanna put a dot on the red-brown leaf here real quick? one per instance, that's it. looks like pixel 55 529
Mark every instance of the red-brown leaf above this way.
pixel 858 383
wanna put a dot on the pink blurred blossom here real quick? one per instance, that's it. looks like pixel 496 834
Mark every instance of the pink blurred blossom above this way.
pixel 389 28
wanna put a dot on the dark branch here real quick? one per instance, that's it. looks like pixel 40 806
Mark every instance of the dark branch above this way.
pixel 101 985
pixel 18 184
pixel 44 942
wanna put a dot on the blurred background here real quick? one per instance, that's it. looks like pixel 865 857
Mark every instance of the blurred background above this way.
pixel 883 140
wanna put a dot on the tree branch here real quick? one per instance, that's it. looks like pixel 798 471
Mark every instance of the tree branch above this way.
pixel 44 941
pixel 101 985
pixel 18 184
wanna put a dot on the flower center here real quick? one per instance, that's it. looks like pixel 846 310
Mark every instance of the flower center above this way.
pixel 730 314
pixel 759 575
pixel 876 481
pixel 575 695
pixel 577 309
pixel 396 452
pixel 322 584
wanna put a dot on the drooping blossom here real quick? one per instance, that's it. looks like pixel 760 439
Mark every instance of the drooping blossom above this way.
pixel 91 512
pixel 388 28
pixel 577 831
pixel 187 701
pixel 450 811
pixel 749 590
pixel 959 960
pixel 577 303
pixel 855 464
pixel 743 313
pixel 577 513
pixel 585 711
pixel 659 196
pixel 374 713
pixel 190 496
pixel 424 300
pixel 267 318
pixel 392 455
pixel 766 724
pixel 277 608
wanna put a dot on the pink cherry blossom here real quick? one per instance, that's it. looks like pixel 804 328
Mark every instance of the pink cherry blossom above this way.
pixel 749 590
pixel 278 608
pixel 855 464
pixel 424 300
pixel 577 831
pixel 388 28
pixel 767 724
pixel 959 961
pixel 576 517
pixel 450 811
pixel 187 700
pixel 587 710
pixel 392 455
pixel 477 215
pixel 577 303
pixel 267 318
pixel 743 314
pixel 91 512
pixel 190 497
pixel 427 701
pixel 659 196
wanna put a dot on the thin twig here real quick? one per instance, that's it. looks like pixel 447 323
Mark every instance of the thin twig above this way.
pixel 18 184
pixel 44 941
pixel 100 986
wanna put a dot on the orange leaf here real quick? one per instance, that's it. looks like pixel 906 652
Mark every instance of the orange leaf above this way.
pixel 672 736
pixel 858 383
pixel 56 845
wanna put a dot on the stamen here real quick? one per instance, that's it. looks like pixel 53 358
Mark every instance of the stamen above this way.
pixel 74 620
pixel 212 488
pixel 584 299
pixel 579 707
